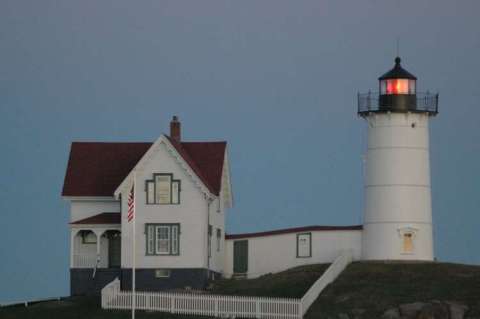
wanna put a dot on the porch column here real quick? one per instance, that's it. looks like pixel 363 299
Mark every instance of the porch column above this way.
pixel 98 233
pixel 73 234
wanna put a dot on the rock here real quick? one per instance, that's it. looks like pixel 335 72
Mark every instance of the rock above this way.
pixel 426 313
pixel 342 298
pixel 457 310
pixel 410 310
pixel 434 310
pixel 343 316
pixel 392 313
pixel 358 311
pixel 440 310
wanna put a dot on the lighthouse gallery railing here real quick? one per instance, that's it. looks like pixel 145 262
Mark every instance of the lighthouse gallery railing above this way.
pixel 369 103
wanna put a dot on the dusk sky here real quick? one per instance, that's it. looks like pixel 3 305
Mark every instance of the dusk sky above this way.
pixel 277 79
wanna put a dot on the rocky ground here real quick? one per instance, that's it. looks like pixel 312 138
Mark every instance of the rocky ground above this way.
pixel 401 291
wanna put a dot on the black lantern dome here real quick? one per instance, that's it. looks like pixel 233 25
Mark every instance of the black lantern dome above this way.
pixel 398 72
pixel 397 93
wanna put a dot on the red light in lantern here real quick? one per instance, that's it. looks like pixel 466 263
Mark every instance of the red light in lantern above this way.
pixel 397 86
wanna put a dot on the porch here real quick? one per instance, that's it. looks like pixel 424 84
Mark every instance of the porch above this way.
pixel 95 242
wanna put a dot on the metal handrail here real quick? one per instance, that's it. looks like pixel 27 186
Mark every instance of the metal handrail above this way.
pixel 425 103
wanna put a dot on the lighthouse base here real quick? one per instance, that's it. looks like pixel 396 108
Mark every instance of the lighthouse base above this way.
pixel 397 241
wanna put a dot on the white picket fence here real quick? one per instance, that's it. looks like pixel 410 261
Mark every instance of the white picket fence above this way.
pixel 223 306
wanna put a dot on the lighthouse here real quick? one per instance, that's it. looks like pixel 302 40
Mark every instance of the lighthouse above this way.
pixel 398 205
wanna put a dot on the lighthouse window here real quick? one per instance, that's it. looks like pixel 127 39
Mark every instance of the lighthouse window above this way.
pixel 408 243
pixel 397 86
pixel 411 87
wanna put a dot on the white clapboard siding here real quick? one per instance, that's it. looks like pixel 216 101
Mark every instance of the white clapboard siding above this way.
pixel 223 306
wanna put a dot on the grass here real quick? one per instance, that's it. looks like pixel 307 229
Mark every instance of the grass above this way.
pixel 365 287
pixel 77 308
pixel 292 283
pixel 376 287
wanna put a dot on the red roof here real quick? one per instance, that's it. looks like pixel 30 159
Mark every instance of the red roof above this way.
pixel 293 230
pixel 97 169
pixel 103 218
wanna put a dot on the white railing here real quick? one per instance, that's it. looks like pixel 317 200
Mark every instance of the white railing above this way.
pixel 84 261
pixel 340 263
pixel 223 306
pixel 199 304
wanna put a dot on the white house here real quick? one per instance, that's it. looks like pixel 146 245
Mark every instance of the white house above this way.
pixel 183 192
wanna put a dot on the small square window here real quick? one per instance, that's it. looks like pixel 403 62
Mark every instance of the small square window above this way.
pixel 162 273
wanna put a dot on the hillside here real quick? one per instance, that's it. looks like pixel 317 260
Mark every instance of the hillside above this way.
pixel 291 283
pixel 363 290
pixel 372 288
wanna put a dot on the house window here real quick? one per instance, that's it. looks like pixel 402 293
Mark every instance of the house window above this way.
pixel 219 237
pixel 162 189
pixel 89 237
pixel 162 239
pixel 304 245
pixel 162 245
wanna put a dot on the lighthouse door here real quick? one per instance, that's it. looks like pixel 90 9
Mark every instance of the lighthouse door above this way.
pixel 240 256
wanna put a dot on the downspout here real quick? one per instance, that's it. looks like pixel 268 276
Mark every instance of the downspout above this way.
pixel 209 202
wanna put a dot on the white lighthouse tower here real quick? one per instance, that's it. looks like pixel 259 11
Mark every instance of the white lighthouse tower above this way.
pixel 398 210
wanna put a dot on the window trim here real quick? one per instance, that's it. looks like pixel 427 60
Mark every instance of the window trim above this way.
pixel 170 239
pixel 147 191
pixel 153 181
pixel 310 245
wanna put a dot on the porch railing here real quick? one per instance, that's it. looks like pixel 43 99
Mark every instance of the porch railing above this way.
pixel 84 261
pixel 223 306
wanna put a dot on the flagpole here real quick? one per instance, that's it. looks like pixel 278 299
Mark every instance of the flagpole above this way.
pixel 133 250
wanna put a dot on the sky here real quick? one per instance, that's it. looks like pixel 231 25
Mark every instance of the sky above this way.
pixel 277 79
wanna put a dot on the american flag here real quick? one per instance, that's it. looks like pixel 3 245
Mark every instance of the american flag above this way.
pixel 131 205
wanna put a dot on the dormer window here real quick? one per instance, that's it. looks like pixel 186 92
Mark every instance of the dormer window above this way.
pixel 163 189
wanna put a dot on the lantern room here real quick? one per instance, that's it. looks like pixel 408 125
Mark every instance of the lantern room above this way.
pixel 397 93
pixel 398 89
pixel 397 81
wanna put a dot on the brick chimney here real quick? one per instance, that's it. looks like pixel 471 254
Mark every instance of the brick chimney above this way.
pixel 175 133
